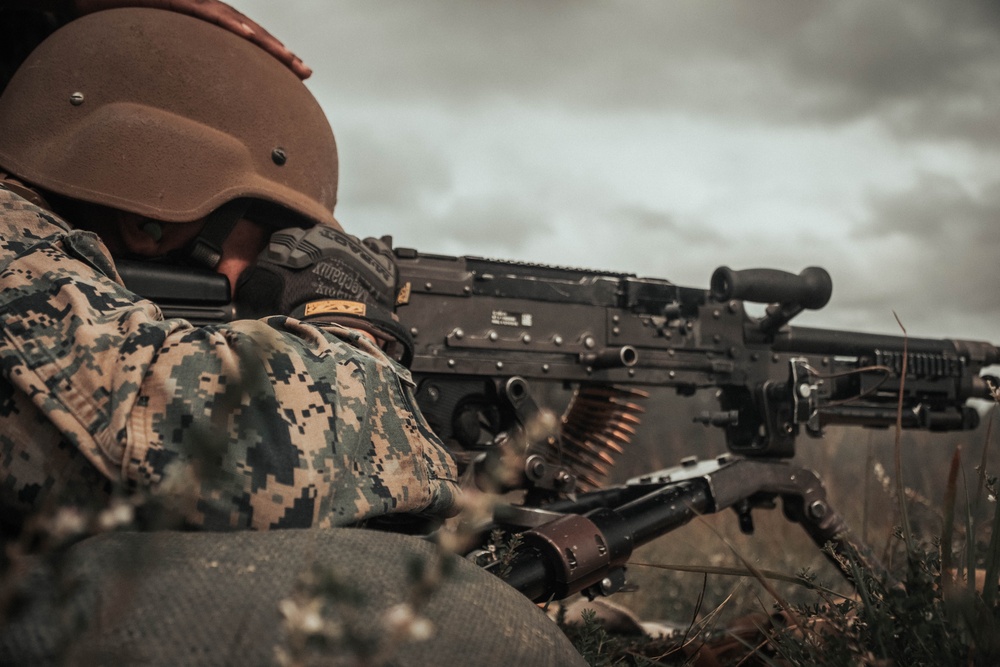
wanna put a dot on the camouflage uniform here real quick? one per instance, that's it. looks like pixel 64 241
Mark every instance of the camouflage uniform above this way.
pixel 272 423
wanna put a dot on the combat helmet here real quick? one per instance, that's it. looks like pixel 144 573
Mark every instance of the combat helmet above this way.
pixel 169 117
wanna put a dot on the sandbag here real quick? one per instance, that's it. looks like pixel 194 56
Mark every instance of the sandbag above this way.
pixel 246 598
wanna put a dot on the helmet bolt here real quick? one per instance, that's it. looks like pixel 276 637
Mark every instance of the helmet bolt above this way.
pixel 76 99
pixel 279 156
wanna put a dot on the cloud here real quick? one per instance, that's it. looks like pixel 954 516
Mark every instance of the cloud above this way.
pixel 495 226
pixel 939 245
pixel 499 226
pixel 938 209
pixel 930 68
pixel 389 169
pixel 926 68
pixel 642 222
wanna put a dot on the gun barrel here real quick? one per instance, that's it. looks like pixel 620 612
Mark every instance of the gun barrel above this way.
pixel 955 419
pixel 830 341
pixel 810 289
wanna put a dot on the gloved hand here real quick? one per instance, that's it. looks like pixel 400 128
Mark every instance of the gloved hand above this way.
pixel 321 274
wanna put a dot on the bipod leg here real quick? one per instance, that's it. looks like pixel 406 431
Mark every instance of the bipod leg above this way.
pixel 830 532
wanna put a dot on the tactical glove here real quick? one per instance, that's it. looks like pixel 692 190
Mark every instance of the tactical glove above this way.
pixel 324 275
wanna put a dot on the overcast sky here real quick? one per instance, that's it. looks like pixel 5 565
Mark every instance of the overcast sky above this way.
pixel 668 138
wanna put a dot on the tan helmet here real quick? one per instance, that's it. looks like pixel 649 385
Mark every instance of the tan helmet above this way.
pixel 166 116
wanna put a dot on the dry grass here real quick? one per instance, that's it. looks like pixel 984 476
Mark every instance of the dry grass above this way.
pixel 950 502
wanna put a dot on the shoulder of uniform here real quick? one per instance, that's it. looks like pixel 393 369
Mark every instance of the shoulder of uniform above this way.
pixel 27 209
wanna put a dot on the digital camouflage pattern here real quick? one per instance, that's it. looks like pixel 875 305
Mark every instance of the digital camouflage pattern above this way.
pixel 265 423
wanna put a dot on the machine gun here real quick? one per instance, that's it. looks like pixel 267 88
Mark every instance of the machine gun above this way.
pixel 488 333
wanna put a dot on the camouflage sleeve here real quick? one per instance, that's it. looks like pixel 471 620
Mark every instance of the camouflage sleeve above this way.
pixel 259 424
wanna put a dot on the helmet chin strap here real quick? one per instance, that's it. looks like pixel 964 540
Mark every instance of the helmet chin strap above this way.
pixel 206 249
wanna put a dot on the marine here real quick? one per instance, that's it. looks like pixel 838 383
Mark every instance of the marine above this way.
pixel 178 133
pixel 264 423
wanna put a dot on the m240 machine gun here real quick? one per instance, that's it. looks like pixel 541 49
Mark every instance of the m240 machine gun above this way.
pixel 487 334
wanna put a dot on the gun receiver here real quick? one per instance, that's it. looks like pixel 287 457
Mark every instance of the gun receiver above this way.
pixel 477 323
